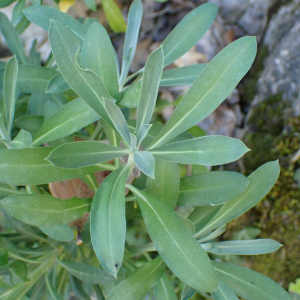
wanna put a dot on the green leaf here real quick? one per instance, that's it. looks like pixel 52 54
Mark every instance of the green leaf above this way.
pixel 37 102
pixel 187 292
pixel 34 56
pixel 87 273
pixel 249 284
pixel 211 87
pixel 3 257
pixel 12 39
pixel 86 84
pixel 207 150
pixel 80 154
pixel 68 119
pixel 29 167
pixel 57 84
pixel 42 210
pixel 97 55
pixel 32 78
pixel 18 268
pixel 211 188
pixel 251 247
pixel 91 4
pixel 130 95
pixel 4 3
pixel 9 91
pixel 30 123
pixel 139 282
pixel 42 15
pixel 22 140
pixel 17 14
pixel 164 289
pixel 116 116
pixel 165 186
pixel 51 289
pixel 182 76
pixel 224 293
pixel 108 223
pixel 62 233
pixel 188 224
pixel 143 133
pixel 261 182
pixel 187 33
pixel 145 161
pixel 131 36
pixel 180 251
pixel 211 236
pixel 77 289
pixel 150 83
pixel 114 15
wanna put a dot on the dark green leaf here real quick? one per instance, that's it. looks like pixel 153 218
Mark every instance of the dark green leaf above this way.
pixel 80 154
pixel 211 188
pixel 18 268
pixel 250 284
pixel 139 282
pixel 180 251
pixel 3 257
pixel 42 210
pixel 108 224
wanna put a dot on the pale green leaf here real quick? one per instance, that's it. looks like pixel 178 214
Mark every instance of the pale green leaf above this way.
pixel 130 95
pixel 108 223
pixel 211 88
pixel 131 36
pixel 57 84
pixel 145 161
pixel 9 91
pixel 164 289
pixel 22 140
pixel 42 210
pixel 12 39
pixel 143 133
pixel 187 292
pixel 207 150
pixel 251 247
pixel 139 282
pixel 87 273
pixel 91 4
pixel 180 251
pixel 150 83
pixel 249 284
pixel 211 188
pixel 68 119
pixel 86 84
pixel 17 14
pixel 62 233
pixel 187 33
pixel 42 15
pixel 224 293
pixel 86 153
pixel 261 182
pixel 165 186
pixel 211 236
pixel 97 55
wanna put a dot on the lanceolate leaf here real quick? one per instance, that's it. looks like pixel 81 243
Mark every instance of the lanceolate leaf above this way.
pixel 187 33
pixel 87 273
pixel 62 233
pixel 211 88
pixel 29 167
pixel 261 182
pixel 86 84
pixel 181 76
pixel 31 78
pixel 98 56
pixel 211 188
pixel 41 15
pixel 12 39
pixel 180 251
pixel 206 150
pixel 67 120
pixel 9 91
pixel 165 186
pixel 164 289
pixel 80 154
pixel 57 84
pixel 42 210
pixel 108 223
pixel 145 162
pixel 249 284
pixel 150 83
pixel 138 283
pixel 251 247
pixel 131 37
pixel 224 292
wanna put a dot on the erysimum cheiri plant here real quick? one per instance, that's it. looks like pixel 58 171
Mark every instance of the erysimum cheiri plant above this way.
pixel 165 252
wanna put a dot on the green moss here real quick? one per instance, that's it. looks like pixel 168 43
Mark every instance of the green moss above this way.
pixel 278 215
